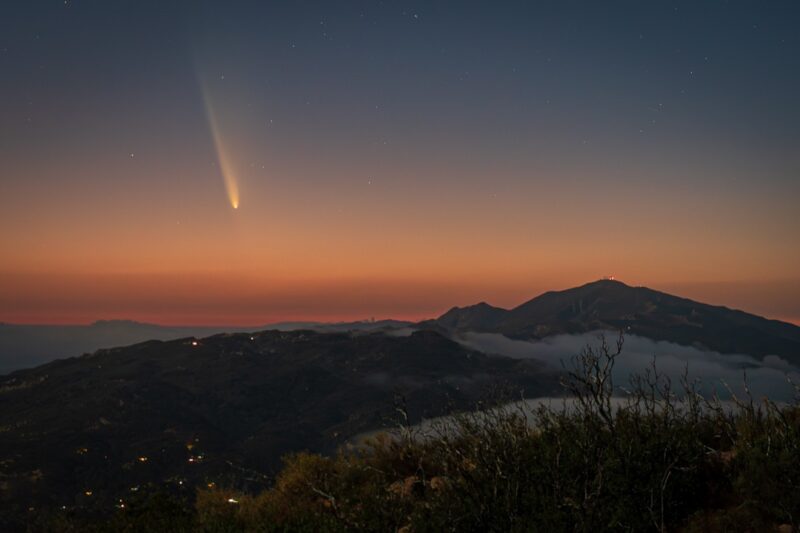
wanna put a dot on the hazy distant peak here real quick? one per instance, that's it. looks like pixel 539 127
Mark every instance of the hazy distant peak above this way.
pixel 120 322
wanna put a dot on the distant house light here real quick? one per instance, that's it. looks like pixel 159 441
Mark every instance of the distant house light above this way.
pixel 195 343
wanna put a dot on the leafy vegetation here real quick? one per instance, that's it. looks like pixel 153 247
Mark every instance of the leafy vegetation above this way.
pixel 658 457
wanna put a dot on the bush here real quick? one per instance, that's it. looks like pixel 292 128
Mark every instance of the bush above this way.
pixel 649 459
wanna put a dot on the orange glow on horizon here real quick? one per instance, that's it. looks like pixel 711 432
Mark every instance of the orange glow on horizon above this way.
pixel 337 238
pixel 248 300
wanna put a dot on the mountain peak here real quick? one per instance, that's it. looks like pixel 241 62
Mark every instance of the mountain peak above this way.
pixel 608 281
pixel 478 316
pixel 603 282
pixel 609 304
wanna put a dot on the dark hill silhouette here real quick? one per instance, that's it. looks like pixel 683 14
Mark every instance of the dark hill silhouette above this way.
pixel 29 345
pixel 481 317
pixel 173 413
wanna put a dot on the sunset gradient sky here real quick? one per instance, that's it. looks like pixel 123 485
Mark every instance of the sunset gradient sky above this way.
pixel 392 159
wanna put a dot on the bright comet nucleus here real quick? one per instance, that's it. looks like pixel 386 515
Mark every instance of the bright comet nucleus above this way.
pixel 226 166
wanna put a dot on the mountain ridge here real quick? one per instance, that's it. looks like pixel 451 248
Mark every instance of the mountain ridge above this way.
pixel 614 305
pixel 29 345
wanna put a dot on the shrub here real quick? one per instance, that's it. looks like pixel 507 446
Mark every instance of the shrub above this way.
pixel 651 458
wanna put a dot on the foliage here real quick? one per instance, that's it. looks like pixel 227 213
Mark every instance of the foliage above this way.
pixel 651 458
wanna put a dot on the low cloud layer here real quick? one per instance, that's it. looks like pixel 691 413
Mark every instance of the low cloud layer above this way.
pixel 767 377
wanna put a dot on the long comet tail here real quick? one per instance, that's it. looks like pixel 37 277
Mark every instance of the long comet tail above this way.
pixel 223 157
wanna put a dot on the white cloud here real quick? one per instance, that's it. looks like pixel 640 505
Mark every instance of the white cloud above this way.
pixel 767 377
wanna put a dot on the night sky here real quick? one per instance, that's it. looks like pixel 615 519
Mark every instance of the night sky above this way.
pixel 233 162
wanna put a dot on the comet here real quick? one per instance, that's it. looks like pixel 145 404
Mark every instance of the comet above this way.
pixel 227 168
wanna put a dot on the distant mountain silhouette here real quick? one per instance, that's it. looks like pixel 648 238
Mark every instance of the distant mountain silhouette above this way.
pixel 612 305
